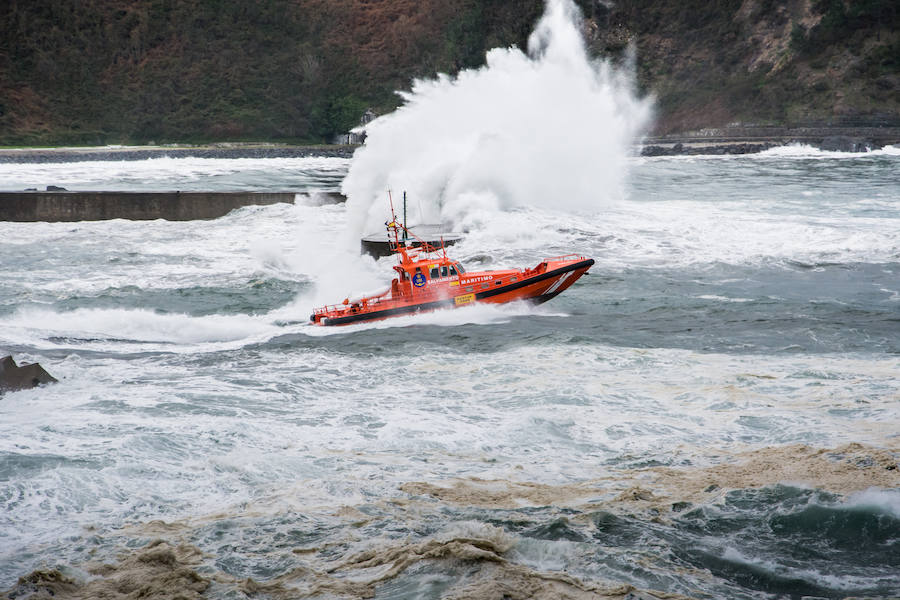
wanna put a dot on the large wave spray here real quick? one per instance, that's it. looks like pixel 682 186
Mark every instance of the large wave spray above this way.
pixel 548 129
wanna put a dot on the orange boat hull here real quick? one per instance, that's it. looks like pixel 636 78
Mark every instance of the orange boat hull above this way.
pixel 537 285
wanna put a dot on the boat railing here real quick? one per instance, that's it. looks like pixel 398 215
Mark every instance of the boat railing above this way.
pixel 354 305
pixel 542 266
pixel 330 308
pixel 564 257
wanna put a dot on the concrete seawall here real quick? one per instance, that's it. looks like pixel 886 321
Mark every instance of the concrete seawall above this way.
pixel 749 140
pixel 133 153
pixel 138 206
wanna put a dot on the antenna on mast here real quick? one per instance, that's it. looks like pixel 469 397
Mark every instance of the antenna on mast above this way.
pixel 404 215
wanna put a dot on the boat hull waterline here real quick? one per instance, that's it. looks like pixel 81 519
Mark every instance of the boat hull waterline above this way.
pixel 540 284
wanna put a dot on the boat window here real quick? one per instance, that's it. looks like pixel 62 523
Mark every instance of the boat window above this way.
pixel 434 273
pixel 485 285
pixel 514 279
pixel 470 288
pixel 444 271
pixel 452 271
pixel 459 268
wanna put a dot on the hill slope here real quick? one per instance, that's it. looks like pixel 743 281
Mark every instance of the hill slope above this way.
pixel 761 61
pixel 126 71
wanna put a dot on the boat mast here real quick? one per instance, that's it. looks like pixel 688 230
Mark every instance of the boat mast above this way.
pixel 392 226
pixel 404 217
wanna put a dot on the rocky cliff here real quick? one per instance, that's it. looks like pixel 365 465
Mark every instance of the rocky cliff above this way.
pixel 762 62
pixel 131 71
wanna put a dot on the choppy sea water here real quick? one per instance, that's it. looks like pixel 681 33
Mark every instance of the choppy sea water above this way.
pixel 712 412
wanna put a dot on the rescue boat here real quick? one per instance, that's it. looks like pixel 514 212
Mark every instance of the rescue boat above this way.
pixel 428 280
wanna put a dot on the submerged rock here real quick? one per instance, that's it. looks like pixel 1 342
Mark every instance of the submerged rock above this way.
pixel 21 377
pixel 841 143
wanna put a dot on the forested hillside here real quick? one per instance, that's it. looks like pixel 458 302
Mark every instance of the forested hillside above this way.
pixel 132 71
pixel 763 61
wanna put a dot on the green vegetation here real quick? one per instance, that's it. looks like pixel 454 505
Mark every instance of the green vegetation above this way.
pixel 763 61
pixel 300 71
pixel 840 22
pixel 102 71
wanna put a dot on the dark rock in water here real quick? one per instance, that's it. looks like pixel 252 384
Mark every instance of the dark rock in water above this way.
pixel 840 143
pixel 714 149
pixel 56 188
pixel 21 377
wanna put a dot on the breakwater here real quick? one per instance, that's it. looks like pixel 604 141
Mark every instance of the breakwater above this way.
pixel 55 206
pixel 134 153
pixel 752 139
